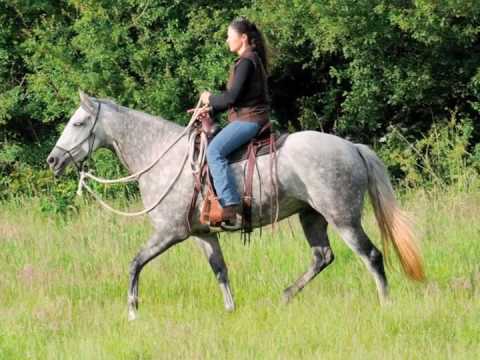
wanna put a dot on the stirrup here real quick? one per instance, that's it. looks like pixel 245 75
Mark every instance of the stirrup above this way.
pixel 233 224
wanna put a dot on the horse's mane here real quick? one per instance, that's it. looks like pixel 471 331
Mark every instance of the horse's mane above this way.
pixel 132 113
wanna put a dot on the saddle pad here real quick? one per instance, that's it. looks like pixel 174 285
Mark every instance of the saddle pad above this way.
pixel 241 153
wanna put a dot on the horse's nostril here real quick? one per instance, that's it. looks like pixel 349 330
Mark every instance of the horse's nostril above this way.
pixel 51 160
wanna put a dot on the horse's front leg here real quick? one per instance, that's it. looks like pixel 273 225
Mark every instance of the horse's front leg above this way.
pixel 156 245
pixel 211 248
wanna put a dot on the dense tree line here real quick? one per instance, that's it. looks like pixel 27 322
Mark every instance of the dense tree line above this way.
pixel 357 68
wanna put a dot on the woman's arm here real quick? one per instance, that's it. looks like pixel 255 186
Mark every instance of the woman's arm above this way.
pixel 228 98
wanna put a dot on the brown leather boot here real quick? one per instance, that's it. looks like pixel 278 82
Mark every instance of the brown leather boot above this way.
pixel 232 218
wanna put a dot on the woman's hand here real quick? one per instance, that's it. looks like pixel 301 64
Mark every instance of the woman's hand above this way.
pixel 204 97
pixel 201 111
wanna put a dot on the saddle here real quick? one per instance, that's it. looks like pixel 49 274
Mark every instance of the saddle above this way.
pixel 265 142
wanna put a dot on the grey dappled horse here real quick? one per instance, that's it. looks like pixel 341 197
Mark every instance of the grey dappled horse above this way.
pixel 321 177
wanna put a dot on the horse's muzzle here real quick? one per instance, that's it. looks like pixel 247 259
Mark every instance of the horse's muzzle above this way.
pixel 56 163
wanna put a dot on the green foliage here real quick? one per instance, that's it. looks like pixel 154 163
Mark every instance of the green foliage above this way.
pixel 443 158
pixel 153 57
pixel 354 68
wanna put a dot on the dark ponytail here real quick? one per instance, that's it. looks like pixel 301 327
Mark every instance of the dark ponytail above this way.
pixel 255 38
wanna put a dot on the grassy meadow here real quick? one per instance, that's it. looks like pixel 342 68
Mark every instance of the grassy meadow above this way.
pixel 64 282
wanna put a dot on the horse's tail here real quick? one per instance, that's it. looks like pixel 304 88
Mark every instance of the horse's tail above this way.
pixel 395 227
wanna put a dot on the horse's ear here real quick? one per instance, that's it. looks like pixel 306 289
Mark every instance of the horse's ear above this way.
pixel 85 100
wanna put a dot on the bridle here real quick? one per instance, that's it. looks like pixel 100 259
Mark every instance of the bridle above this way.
pixel 90 138
pixel 84 175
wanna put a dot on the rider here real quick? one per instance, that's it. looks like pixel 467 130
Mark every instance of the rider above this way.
pixel 246 99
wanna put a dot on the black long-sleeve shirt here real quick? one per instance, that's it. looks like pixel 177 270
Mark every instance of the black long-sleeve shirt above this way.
pixel 244 70
pixel 246 97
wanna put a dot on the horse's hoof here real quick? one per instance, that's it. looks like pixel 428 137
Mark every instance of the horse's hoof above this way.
pixel 228 302
pixel 287 296
pixel 386 302
pixel 132 315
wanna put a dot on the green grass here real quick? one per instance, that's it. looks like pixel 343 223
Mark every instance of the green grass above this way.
pixel 64 281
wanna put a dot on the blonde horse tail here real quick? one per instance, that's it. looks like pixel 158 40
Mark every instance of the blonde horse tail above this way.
pixel 395 226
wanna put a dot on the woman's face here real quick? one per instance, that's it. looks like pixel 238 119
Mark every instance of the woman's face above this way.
pixel 235 40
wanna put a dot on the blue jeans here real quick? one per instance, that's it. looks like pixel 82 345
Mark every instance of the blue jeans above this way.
pixel 230 138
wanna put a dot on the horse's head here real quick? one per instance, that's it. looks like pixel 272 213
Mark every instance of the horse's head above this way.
pixel 82 135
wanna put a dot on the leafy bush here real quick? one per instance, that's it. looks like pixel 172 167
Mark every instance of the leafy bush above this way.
pixel 357 68
pixel 443 157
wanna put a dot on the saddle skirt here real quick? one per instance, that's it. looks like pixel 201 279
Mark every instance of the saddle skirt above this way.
pixel 266 142
pixel 263 147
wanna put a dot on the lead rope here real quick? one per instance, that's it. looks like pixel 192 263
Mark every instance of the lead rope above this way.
pixel 196 165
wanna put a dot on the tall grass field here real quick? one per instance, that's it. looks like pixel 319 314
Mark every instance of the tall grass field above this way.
pixel 63 291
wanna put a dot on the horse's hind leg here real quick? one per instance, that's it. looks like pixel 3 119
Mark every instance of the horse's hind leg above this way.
pixel 211 248
pixel 358 241
pixel 315 229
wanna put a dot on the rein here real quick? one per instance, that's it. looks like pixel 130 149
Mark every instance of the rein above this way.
pixel 196 164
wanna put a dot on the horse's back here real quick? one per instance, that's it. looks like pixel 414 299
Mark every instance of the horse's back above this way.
pixel 322 151
pixel 325 142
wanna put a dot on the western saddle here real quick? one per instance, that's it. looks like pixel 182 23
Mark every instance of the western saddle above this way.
pixel 265 142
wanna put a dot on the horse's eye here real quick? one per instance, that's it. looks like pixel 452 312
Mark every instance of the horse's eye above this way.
pixel 78 123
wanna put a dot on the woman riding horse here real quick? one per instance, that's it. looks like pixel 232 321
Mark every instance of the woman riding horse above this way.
pixel 246 100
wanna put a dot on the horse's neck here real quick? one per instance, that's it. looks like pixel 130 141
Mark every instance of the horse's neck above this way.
pixel 139 138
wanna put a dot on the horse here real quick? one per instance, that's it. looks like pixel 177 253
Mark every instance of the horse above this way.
pixel 321 177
